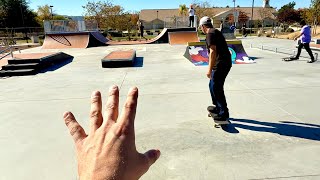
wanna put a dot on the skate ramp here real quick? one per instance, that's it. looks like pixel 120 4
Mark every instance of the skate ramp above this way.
pixel 163 37
pixel 182 38
pixel 197 53
pixel 74 40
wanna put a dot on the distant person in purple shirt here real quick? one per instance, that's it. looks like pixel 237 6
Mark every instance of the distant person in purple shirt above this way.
pixel 305 37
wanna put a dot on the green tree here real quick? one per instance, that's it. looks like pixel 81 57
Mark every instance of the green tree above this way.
pixel 98 11
pixel 44 13
pixel 315 11
pixel 16 13
pixel 203 8
pixel 183 10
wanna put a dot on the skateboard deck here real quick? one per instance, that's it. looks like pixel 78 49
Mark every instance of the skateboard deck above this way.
pixel 288 59
pixel 217 123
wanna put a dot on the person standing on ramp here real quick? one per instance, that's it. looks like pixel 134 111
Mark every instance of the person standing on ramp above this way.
pixel 305 41
pixel 219 66
pixel 191 16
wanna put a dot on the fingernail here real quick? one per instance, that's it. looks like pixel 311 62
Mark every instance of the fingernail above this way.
pixel 133 89
pixel 157 153
pixel 114 87
pixel 95 94
pixel 66 114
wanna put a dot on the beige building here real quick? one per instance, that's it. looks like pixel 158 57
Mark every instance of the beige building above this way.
pixel 160 18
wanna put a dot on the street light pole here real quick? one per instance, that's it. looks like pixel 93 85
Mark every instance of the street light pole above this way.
pixel 51 12
pixel 234 12
pixel 252 16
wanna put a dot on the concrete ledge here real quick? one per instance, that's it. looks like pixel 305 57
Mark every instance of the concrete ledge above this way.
pixel 118 59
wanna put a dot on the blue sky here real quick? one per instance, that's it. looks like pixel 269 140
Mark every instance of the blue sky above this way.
pixel 74 7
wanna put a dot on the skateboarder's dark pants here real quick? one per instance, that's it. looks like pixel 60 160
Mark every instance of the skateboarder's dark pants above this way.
pixel 307 48
pixel 216 84
pixel 191 21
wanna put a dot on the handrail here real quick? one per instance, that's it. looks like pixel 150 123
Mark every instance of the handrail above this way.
pixel 9 53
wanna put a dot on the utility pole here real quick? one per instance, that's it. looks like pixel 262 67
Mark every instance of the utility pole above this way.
pixel 22 18
pixel 234 12
pixel 251 17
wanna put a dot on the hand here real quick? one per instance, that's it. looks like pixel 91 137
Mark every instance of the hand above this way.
pixel 109 150
pixel 209 74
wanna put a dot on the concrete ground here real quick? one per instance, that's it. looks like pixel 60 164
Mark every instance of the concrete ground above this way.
pixel 275 131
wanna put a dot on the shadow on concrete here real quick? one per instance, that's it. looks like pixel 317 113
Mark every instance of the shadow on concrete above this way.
pixel 230 129
pixel 56 66
pixel 284 128
pixel 254 58
pixel 138 62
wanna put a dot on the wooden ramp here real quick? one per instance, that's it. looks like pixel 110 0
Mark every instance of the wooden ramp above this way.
pixel 182 38
pixel 74 40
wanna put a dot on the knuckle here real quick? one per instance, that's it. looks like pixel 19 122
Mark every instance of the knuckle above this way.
pixel 94 100
pixel 95 113
pixel 111 106
pixel 130 105
pixel 74 130
pixel 68 121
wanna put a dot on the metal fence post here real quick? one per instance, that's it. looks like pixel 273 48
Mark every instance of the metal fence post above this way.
pixel 11 52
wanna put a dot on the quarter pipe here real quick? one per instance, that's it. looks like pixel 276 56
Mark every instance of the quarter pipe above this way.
pixel 94 39
pixel 74 40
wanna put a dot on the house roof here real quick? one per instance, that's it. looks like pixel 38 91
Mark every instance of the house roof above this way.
pixel 151 14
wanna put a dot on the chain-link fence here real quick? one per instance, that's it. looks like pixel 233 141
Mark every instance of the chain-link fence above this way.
pixel 61 26
pixel 176 22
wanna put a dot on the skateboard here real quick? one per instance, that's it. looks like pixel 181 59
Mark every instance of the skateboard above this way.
pixel 217 123
pixel 288 59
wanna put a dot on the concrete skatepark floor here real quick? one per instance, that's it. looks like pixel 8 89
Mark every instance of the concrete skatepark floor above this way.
pixel 275 132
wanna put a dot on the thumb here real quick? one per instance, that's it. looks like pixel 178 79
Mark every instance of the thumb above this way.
pixel 152 156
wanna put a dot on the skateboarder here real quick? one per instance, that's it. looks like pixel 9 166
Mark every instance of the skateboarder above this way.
pixel 305 37
pixel 141 30
pixel 191 16
pixel 244 30
pixel 219 67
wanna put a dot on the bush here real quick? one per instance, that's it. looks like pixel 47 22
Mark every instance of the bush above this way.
pixel 115 33
pixel 290 30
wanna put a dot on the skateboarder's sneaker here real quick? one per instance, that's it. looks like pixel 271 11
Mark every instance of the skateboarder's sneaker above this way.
pixel 212 109
pixel 311 61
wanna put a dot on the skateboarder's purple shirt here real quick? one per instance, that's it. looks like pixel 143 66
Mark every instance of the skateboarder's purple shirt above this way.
pixel 306 34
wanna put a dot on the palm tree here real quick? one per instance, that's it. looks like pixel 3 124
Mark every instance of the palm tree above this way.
pixel 183 10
